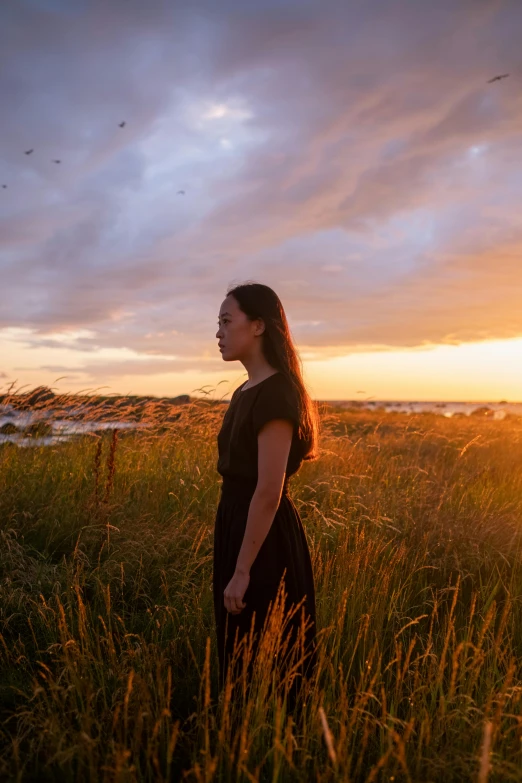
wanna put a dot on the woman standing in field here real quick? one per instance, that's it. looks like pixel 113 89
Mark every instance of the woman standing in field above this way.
pixel 269 428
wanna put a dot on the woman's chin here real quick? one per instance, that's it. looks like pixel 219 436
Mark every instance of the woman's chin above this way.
pixel 228 357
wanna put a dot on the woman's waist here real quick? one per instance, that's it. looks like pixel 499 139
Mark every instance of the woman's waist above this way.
pixel 243 485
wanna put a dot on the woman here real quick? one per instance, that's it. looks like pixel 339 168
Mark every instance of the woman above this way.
pixel 270 426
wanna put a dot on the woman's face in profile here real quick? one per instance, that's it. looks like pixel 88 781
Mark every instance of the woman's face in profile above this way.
pixel 236 334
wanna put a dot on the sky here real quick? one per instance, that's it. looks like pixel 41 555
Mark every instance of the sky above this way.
pixel 352 155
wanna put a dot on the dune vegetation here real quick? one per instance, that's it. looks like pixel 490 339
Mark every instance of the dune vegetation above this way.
pixel 108 662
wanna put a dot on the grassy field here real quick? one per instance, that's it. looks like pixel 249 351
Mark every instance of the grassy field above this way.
pixel 108 663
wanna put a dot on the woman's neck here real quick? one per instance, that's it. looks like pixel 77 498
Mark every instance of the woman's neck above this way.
pixel 259 373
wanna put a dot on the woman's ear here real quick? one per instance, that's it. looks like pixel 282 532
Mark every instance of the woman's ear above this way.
pixel 260 327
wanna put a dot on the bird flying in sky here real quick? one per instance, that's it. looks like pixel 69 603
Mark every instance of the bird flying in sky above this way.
pixel 28 152
pixel 4 186
pixel 122 124
pixel 57 161
pixel 498 78
pixel 181 192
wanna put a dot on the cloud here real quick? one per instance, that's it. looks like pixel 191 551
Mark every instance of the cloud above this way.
pixel 371 181
pixel 97 371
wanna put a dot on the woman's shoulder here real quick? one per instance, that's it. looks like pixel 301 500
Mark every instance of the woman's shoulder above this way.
pixel 278 383
pixel 275 398
pixel 275 387
pixel 284 382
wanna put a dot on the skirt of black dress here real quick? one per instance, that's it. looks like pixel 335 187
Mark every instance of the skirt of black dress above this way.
pixel 283 557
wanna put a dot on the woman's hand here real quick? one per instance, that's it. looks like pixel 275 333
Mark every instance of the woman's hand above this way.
pixel 235 590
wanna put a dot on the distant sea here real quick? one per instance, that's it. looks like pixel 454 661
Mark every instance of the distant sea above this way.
pixel 15 425
pixel 497 410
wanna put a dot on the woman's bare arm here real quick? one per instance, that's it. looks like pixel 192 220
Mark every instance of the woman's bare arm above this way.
pixel 274 442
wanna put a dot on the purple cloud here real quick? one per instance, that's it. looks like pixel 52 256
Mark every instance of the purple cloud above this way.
pixel 354 157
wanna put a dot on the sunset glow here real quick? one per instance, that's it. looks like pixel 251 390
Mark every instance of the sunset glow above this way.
pixel 328 151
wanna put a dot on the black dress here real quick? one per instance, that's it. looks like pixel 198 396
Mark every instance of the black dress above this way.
pixel 285 545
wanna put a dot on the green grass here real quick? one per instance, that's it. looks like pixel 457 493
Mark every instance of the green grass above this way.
pixel 108 663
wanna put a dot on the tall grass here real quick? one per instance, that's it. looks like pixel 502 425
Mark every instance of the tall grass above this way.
pixel 108 662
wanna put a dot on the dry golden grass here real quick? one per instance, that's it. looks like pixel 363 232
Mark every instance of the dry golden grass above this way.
pixel 107 648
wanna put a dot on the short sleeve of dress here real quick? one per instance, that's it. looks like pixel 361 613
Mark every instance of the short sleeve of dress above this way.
pixel 275 401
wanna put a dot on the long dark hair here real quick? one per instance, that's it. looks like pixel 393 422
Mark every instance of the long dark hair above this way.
pixel 260 301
